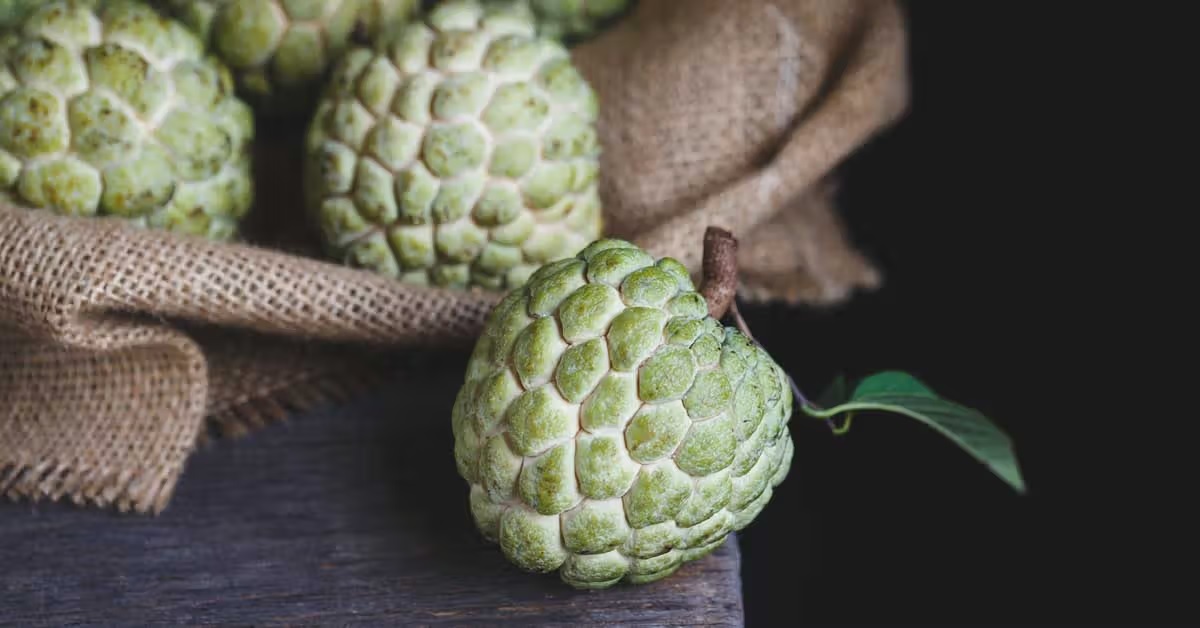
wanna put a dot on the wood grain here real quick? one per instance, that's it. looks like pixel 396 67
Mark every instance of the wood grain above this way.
pixel 348 515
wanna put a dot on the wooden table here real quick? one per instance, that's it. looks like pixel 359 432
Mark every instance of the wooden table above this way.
pixel 349 514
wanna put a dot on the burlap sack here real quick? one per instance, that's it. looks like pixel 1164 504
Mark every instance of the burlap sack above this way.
pixel 120 349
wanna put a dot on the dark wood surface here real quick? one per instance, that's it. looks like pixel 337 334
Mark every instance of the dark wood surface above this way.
pixel 352 514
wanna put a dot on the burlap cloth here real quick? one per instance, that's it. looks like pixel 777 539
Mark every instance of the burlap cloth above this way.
pixel 121 349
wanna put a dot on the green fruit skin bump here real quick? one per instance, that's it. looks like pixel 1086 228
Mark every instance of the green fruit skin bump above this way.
pixel 576 19
pixel 611 430
pixel 280 50
pixel 13 12
pixel 109 108
pixel 461 152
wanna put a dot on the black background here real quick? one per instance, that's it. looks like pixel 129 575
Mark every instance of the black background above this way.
pixel 990 208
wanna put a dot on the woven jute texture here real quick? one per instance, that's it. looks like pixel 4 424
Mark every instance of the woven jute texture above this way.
pixel 122 350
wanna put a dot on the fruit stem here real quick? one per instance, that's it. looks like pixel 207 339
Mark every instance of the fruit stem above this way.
pixel 719 288
pixel 719 271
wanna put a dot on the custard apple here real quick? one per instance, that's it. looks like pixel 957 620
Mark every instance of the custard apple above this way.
pixel 280 50
pixel 461 152
pixel 108 108
pixel 13 12
pixel 575 19
pixel 609 428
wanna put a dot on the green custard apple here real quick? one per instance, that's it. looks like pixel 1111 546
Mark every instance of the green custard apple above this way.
pixel 461 152
pixel 280 50
pixel 109 108
pixel 13 12
pixel 575 19
pixel 609 428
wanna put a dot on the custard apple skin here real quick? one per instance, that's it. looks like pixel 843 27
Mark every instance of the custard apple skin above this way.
pixel 462 152
pixel 609 428
pixel 109 108
pixel 13 12
pixel 573 20
pixel 280 51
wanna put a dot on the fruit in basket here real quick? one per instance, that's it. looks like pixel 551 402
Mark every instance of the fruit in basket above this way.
pixel 575 19
pixel 461 152
pixel 108 108
pixel 280 50
pixel 609 428
pixel 12 12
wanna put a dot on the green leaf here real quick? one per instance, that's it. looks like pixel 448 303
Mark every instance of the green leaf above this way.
pixel 886 382
pixel 903 394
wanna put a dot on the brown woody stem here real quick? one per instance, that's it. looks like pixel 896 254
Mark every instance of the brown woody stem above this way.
pixel 719 271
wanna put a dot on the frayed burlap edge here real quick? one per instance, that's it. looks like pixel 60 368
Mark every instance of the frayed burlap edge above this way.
pixel 146 491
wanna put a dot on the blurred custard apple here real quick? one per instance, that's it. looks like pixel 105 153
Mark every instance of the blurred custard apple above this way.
pixel 13 12
pixel 575 19
pixel 280 50
pixel 609 428
pixel 109 108
pixel 460 152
